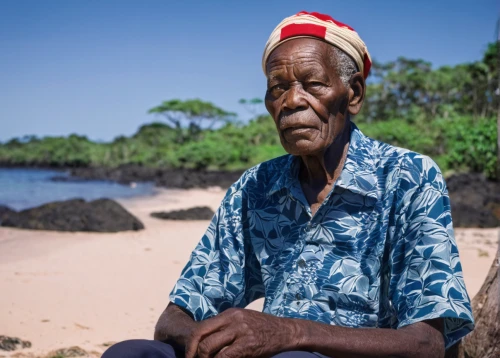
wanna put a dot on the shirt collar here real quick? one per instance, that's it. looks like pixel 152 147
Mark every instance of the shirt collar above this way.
pixel 357 176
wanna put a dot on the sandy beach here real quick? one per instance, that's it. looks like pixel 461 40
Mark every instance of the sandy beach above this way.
pixel 88 289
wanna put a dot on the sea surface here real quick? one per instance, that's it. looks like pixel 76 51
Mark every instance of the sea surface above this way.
pixel 26 188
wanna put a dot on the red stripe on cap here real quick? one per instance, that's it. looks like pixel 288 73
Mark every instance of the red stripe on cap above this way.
pixel 325 17
pixel 302 30
pixel 367 64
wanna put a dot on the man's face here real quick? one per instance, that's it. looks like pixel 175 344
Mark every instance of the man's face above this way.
pixel 305 96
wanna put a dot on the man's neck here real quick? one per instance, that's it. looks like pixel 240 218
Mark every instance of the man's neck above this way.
pixel 322 170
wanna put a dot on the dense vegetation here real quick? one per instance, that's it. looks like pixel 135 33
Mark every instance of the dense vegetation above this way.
pixel 448 113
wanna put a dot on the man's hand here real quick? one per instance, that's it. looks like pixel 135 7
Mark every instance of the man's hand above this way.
pixel 241 333
pixel 245 333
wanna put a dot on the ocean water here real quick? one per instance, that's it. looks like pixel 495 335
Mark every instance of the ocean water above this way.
pixel 26 188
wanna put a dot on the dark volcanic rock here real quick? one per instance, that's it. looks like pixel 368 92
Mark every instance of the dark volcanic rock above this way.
pixel 124 174
pixel 12 343
pixel 475 201
pixel 4 211
pixel 187 178
pixel 196 213
pixel 102 215
pixel 170 178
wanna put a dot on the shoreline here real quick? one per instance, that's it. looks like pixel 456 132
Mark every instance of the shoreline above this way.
pixel 473 199
pixel 179 178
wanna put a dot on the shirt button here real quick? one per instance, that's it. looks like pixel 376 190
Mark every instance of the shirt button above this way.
pixel 301 263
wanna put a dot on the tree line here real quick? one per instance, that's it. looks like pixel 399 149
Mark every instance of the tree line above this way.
pixel 447 113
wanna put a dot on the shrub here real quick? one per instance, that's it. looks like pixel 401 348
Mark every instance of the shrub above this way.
pixel 471 144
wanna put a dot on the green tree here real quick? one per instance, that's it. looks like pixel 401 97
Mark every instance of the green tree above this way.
pixel 252 105
pixel 191 113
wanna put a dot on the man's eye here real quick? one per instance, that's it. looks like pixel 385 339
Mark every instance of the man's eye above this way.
pixel 277 90
pixel 315 85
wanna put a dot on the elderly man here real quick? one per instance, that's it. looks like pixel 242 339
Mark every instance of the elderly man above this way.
pixel 349 240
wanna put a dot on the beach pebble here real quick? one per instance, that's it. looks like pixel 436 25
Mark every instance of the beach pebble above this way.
pixel 13 343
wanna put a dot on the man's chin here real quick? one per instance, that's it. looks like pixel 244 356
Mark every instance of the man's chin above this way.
pixel 302 148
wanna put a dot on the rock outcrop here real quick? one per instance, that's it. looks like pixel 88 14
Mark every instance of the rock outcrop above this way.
pixel 475 201
pixel 4 211
pixel 102 215
pixel 196 213
pixel 164 177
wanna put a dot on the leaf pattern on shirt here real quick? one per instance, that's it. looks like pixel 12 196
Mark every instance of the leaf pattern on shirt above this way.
pixel 379 252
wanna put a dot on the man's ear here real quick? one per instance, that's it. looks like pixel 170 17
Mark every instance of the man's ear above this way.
pixel 357 88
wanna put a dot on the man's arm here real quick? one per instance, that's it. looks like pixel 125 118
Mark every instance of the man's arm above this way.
pixel 245 333
pixel 421 339
pixel 175 326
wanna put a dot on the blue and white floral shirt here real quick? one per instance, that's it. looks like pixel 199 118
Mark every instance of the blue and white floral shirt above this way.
pixel 379 252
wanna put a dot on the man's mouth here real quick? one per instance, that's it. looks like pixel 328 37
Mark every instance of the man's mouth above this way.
pixel 297 129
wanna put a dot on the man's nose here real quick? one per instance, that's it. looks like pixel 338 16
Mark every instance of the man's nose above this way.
pixel 294 99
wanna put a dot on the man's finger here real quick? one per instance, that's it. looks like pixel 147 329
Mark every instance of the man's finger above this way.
pixel 214 342
pixel 205 328
pixel 233 351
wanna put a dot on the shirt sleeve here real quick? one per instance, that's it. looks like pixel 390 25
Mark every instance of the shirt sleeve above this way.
pixel 222 271
pixel 426 274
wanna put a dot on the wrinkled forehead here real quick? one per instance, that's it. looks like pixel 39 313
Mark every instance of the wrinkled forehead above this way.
pixel 303 52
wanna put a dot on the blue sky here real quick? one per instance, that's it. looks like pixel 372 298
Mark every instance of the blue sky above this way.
pixel 95 67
